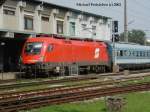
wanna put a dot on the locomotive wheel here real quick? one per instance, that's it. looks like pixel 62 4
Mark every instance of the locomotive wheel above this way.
pixel 100 69
pixel 64 71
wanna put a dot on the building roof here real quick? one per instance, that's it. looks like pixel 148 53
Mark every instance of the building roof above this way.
pixel 72 9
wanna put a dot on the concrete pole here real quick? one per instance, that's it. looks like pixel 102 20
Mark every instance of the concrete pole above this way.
pixel 125 21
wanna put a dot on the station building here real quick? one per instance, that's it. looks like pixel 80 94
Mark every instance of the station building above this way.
pixel 20 19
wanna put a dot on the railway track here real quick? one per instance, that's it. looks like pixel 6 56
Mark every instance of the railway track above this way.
pixel 93 79
pixel 71 95
pixel 36 83
pixel 4 85
pixel 21 94
pixel 76 84
pixel 11 101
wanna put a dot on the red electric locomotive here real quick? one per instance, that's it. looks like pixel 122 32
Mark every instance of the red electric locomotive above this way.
pixel 60 55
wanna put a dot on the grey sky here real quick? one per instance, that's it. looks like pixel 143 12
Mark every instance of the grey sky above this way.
pixel 138 11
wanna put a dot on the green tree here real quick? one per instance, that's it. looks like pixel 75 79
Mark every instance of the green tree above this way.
pixel 134 36
pixel 148 43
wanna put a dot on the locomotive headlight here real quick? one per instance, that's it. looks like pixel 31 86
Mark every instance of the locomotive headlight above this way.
pixel 41 59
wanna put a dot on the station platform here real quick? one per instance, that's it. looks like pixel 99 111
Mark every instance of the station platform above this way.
pixel 8 75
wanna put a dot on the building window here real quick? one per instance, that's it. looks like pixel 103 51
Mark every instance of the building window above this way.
pixel 94 30
pixel 9 12
pixel 72 28
pixel 83 26
pixel 28 23
pixel 45 18
pixel 84 18
pixel 60 27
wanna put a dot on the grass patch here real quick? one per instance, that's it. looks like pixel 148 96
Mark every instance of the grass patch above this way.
pixel 96 106
pixel 136 102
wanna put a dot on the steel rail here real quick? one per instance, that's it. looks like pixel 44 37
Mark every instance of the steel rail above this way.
pixel 4 85
pixel 80 95
pixel 12 95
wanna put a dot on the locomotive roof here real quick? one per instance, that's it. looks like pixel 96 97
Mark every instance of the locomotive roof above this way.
pixel 60 40
pixel 57 36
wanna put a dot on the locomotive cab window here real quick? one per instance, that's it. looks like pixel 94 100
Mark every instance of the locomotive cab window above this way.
pixel 50 48
pixel 33 48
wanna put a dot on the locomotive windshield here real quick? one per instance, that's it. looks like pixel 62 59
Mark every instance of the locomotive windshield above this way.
pixel 33 48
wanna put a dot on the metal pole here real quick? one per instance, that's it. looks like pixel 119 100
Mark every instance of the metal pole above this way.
pixel 113 48
pixel 125 21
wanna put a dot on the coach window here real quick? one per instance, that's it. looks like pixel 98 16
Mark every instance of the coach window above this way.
pixel 129 53
pixel 28 22
pixel 133 53
pixel 137 53
pixel 140 53
pixel 148 54
pixel 143 54
pixel 125 52
pixel 121 52
pixel 118 53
